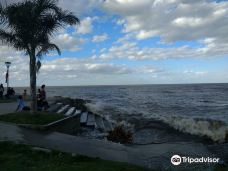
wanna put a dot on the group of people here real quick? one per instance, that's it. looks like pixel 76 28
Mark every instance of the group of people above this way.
pixel 10 92
pixel 42 103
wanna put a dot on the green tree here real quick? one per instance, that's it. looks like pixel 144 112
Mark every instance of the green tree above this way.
pixel 28 26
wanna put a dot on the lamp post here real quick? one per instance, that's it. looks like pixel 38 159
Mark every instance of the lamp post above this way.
pixel 7 73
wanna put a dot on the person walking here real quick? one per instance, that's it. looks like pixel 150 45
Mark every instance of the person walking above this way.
pixel 43 97
pixel 21 105
pixel 1 91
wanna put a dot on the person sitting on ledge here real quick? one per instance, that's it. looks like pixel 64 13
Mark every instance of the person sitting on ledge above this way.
pixel 21 105
pixel 10 93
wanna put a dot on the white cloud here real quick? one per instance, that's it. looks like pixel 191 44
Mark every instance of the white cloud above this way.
pixel 126 49
pixel 80 7
pixel 145 34
pixel 56 72
pixel 7 52
pixel 69 42
pixel 195 73
pixel 19 70
pixel 4 2
pixel 130 50
pixel 85 26
pixel 82 67
pixel 172 20
pixel 100 38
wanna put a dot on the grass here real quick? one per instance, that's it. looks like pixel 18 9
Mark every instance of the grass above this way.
pixel 21 157
pixel 41 118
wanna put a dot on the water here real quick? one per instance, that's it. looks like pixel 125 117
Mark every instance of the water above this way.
pixel 198 109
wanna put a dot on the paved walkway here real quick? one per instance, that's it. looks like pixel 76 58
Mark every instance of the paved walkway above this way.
pixel 152 156
pixel 7 108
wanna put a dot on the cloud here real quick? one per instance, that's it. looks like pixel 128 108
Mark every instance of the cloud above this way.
pixel 126 48
pixel 71 69
pixel 172 20
pixel 148 69
pixel 85 26
pixel 80 7
pixel 7 52
pixel 19 70
pixel 195 73
pixel 68 42
pixel 7 2
pixel 82 67
pixel 100 38
pixel 202 22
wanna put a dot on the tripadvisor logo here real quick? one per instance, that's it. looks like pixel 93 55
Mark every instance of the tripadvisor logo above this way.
pixel 177 160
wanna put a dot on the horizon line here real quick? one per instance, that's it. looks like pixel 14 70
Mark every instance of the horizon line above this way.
pixel 124 84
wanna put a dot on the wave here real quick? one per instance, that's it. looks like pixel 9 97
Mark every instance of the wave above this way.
pixel 214 129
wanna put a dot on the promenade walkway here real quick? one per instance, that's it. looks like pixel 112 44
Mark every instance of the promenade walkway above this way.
pixel 7 108
pixel 152 156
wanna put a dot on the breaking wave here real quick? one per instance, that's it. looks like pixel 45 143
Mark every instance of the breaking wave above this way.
pixel 214 129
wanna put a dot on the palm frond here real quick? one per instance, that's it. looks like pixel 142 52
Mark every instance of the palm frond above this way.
pixel 45 48
pixel 6 37
pixel 67 18
pixel 31 23
pixel 43 6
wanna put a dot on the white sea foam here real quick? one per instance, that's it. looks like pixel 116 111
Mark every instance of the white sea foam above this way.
pixel 214 129
pixel 97 107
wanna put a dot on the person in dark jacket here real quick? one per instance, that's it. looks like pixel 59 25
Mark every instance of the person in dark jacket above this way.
pixel 1 91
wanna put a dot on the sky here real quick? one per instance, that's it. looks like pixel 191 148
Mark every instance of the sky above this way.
pixel 132 42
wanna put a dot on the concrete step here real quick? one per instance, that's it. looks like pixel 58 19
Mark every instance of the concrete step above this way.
pixel 83 118
pixel 70 111
pixel 55 107
pixel 99 122
pixel 77 112
pixel 63 109
pixel 108 125
pixel 91 120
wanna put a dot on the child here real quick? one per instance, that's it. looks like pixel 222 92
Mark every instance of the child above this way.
pixel 21 105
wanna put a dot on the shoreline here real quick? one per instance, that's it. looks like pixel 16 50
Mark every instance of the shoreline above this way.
pixel 157 126
pixel 113 85
pixel 142 154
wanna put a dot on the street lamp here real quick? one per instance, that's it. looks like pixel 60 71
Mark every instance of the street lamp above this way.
pixel 7 73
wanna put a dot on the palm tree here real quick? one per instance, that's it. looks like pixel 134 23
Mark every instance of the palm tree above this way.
pixel 28 26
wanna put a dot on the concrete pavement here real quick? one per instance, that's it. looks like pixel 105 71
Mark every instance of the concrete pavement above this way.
pixel 7 108
pixel 156 156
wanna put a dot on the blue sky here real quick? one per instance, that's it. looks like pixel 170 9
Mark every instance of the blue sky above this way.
pixel 134 42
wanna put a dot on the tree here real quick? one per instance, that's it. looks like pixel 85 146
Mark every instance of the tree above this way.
pixel 28 26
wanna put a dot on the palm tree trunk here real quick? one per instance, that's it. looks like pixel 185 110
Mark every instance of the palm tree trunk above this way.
pixel 33 82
